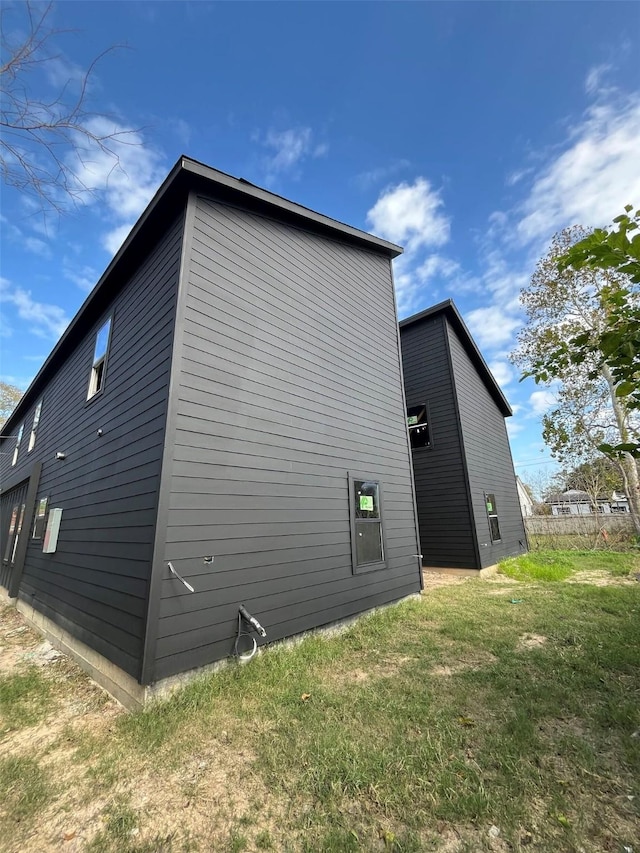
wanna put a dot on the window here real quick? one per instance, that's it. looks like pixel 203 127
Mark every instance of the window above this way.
pixel 418 423
pixel 34 428
pixel 367 539
pixel 38 524
pixel 17 447
pixel 96 382
pixel 15 528
pixel 492 514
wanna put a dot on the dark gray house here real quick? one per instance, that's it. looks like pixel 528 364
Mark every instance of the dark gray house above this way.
pixel 225 414
pixel 468 508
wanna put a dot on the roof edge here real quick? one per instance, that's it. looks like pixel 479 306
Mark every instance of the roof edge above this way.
pixel 449 309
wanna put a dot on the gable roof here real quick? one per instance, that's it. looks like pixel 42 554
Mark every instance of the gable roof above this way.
pixel 448 310
pixel 186 175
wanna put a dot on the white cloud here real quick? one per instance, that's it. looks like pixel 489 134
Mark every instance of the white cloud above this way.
pixel 594 79
pixel 113 239
pixel 374 176
pixel 592 180
pixel 125 177
pixel 437 265
pixel 290 148
pixel 410 214
pixel 84 276
pixel 513 427
pixel 44 319
pixel 491 326
pixel 37 247
pixel 542 401
pixel 502 372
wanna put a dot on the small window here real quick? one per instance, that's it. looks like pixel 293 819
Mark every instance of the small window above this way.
pixel 492 513
pixel 34 428
pixel 96 382
pixel 367 540
pixel 41 513
pixel 17 447
pixel 418 423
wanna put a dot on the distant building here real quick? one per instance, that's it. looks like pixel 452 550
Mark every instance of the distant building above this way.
pixel 466 492
pixel 526 501
pixel 577 502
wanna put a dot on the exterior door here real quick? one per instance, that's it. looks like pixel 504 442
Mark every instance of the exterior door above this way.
pixel 13 506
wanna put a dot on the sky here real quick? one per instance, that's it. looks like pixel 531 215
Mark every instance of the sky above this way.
pixel 466 132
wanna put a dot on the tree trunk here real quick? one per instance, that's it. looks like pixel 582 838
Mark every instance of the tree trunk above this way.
pixel 628 464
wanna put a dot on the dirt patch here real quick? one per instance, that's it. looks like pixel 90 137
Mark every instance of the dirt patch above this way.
pixel 601 578
pixel 530 641
pixel 385 667
pixel 16 641
pixel 432 580
pixel 463 665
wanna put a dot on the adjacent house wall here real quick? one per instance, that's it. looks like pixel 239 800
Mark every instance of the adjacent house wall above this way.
pixel 488 459
pixel 290 378
pixel 95 585
pixel 446 528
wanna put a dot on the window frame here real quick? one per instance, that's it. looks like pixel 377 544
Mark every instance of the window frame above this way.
pixel 99 361
pixel 16 449
pixel 425 422
pixel 40 518
pixel 34 427
pixel 362 568
pixel 493 513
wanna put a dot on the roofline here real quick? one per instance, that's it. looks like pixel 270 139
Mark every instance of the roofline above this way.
pixel 449 309
pixel 180 174
pixel 281 203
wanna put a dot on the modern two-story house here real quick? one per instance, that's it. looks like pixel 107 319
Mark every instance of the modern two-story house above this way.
pixel 221 424
pixel 468 507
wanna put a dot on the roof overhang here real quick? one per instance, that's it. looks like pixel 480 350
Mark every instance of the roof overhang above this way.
pixel 187 175
pixel 448 310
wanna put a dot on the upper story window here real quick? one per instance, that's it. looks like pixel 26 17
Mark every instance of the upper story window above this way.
pixel 418 423
pixel 34 428
pixel 96 381
pixel 17 447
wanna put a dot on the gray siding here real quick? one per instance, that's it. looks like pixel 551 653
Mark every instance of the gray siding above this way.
pixel 488 459
pixel 96 584
pixel 290 378
pixel 446 530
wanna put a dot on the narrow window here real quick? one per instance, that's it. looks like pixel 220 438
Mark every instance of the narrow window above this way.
pixel 18 531
pixel 17 447
pixel 12 530
pixel 492 513
pixel 96 382
pixel 367 538
pixel 34 428
pixel 418 423
pixel 38 524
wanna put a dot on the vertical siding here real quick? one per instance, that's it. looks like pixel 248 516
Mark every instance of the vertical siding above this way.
pixel 488 456
pixel 290 378
pixel 446 531
pixel 95 585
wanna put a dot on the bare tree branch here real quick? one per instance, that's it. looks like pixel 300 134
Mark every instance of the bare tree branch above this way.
pixel 43 140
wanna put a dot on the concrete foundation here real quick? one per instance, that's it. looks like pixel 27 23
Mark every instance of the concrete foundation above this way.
pixel 470 573
pixel 122 686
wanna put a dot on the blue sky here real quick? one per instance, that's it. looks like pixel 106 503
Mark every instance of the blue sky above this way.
pixel 467 132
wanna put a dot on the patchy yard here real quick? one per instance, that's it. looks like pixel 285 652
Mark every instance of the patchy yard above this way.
pixel 490 715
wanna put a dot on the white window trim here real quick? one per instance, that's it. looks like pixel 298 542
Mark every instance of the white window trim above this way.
pixel 100 361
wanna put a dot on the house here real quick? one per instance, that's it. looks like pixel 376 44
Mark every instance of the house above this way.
pixel 468 508
pixel 577 502
pixel 526 501
pixel 221 424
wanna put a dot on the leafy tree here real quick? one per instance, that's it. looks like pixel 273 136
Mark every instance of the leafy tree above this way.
pixel 574 314
pixel 45 139
pixel 9 399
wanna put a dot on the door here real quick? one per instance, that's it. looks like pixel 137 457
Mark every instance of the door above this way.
pixel 13 507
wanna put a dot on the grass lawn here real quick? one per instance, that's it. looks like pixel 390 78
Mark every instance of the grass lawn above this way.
pixel 497 715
